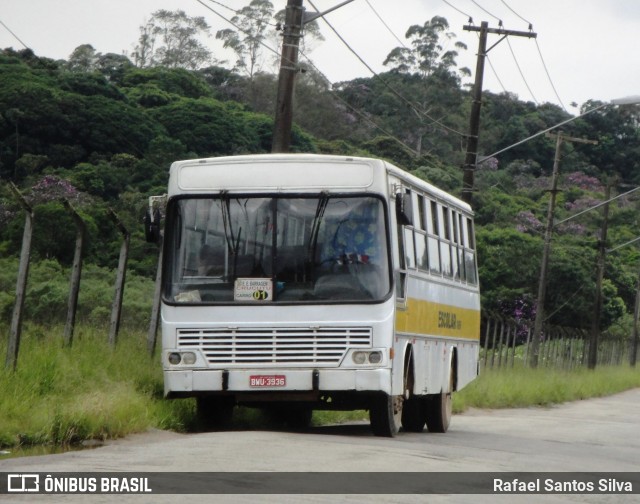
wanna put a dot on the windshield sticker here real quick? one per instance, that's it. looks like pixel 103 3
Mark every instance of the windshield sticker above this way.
pixel 253 289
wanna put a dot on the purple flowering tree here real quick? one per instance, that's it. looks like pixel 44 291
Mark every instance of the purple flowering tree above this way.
pixel 583 181
pixel 52 188
pixel 522 310
pixel 526 222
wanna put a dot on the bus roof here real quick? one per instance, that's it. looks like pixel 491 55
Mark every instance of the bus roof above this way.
pixel 334 172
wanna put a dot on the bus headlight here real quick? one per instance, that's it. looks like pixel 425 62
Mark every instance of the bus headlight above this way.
pixel 182 358
pixel 189 358
pixel 359 357
pixel 375 357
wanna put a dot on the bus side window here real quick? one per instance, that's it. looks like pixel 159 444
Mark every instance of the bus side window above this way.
pixel 433 232
pixel 401 273
pixel 422 258
pixel 445 245
pixel 469 254
pixel 409 248
pixel 461 259
pixel 456 250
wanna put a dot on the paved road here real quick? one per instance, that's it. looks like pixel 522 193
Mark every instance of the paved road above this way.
pixel 596 435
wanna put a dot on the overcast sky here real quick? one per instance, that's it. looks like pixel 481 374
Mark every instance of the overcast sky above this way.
pixel 590 47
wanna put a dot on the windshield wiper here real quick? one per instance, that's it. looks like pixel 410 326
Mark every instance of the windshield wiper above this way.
pixel 315 227
pixel 233 243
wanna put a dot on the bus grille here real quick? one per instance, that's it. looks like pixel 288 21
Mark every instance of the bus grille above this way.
pixel 263 347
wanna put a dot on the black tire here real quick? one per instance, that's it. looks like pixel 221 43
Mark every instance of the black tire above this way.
pixel 385 415
pixel 414 408
pixel 214 413
pixel 414 412
pixel 439 409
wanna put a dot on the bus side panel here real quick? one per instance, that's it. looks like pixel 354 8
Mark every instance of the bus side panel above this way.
pixel 438 321
pixel 467 355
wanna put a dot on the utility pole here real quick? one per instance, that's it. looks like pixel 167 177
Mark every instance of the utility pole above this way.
pixel 597 309
pixel 548 233
pixel 471 157
pixel 295 19
pixel 292 32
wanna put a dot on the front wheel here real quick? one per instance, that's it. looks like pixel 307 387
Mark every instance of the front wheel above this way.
pixel 385 414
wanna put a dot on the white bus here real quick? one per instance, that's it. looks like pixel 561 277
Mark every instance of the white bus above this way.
pixel 297 282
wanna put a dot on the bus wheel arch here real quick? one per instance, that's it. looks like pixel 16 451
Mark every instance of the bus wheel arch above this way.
pixel 439 407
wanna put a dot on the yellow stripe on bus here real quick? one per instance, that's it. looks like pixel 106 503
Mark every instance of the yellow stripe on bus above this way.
pixel 435 319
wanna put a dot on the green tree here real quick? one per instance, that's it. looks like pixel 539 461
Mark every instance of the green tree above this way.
pixel 254 22
pixel 170 39
pixel 84 58
pixel 428 54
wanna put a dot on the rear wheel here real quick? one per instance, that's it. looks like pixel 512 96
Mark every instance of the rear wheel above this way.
pixel 414 414
pixel 439 408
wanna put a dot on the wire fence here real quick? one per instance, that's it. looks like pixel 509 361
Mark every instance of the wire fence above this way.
pixel 507 342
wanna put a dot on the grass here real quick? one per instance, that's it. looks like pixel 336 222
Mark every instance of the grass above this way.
pixel 90 391
pixel 522 387
pixel 61 396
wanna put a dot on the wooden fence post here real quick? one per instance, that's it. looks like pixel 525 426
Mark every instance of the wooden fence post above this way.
pixel 525 356
pixel 116 307
pixel 76 271
pixel 21 283
pixel 486 339
pixel 499 322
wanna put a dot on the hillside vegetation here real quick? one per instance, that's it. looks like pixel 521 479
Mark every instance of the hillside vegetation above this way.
pixel 103 138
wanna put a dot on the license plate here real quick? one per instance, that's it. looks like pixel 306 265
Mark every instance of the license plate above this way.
pixel 267 381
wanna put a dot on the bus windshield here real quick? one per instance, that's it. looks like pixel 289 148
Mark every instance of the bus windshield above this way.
pixel 320 248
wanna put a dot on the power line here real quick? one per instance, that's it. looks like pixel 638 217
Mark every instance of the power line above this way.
pixel 14 35
pixel 234 24
pixel 394 91
pixel 508 7
pixel 485 10
pixel 496 74
pixel 549 77
pixel 461 12
pixel 386 25
pixel 520 70
pixel 224 6
pixel 237 12
pixel 361 114
pixel 540 53
pixel 333 94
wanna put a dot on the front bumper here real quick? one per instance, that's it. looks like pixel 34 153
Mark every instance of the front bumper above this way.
pixel 198 382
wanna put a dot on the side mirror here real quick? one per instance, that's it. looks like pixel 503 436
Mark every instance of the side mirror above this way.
pixel 152 226
pixel 404 209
